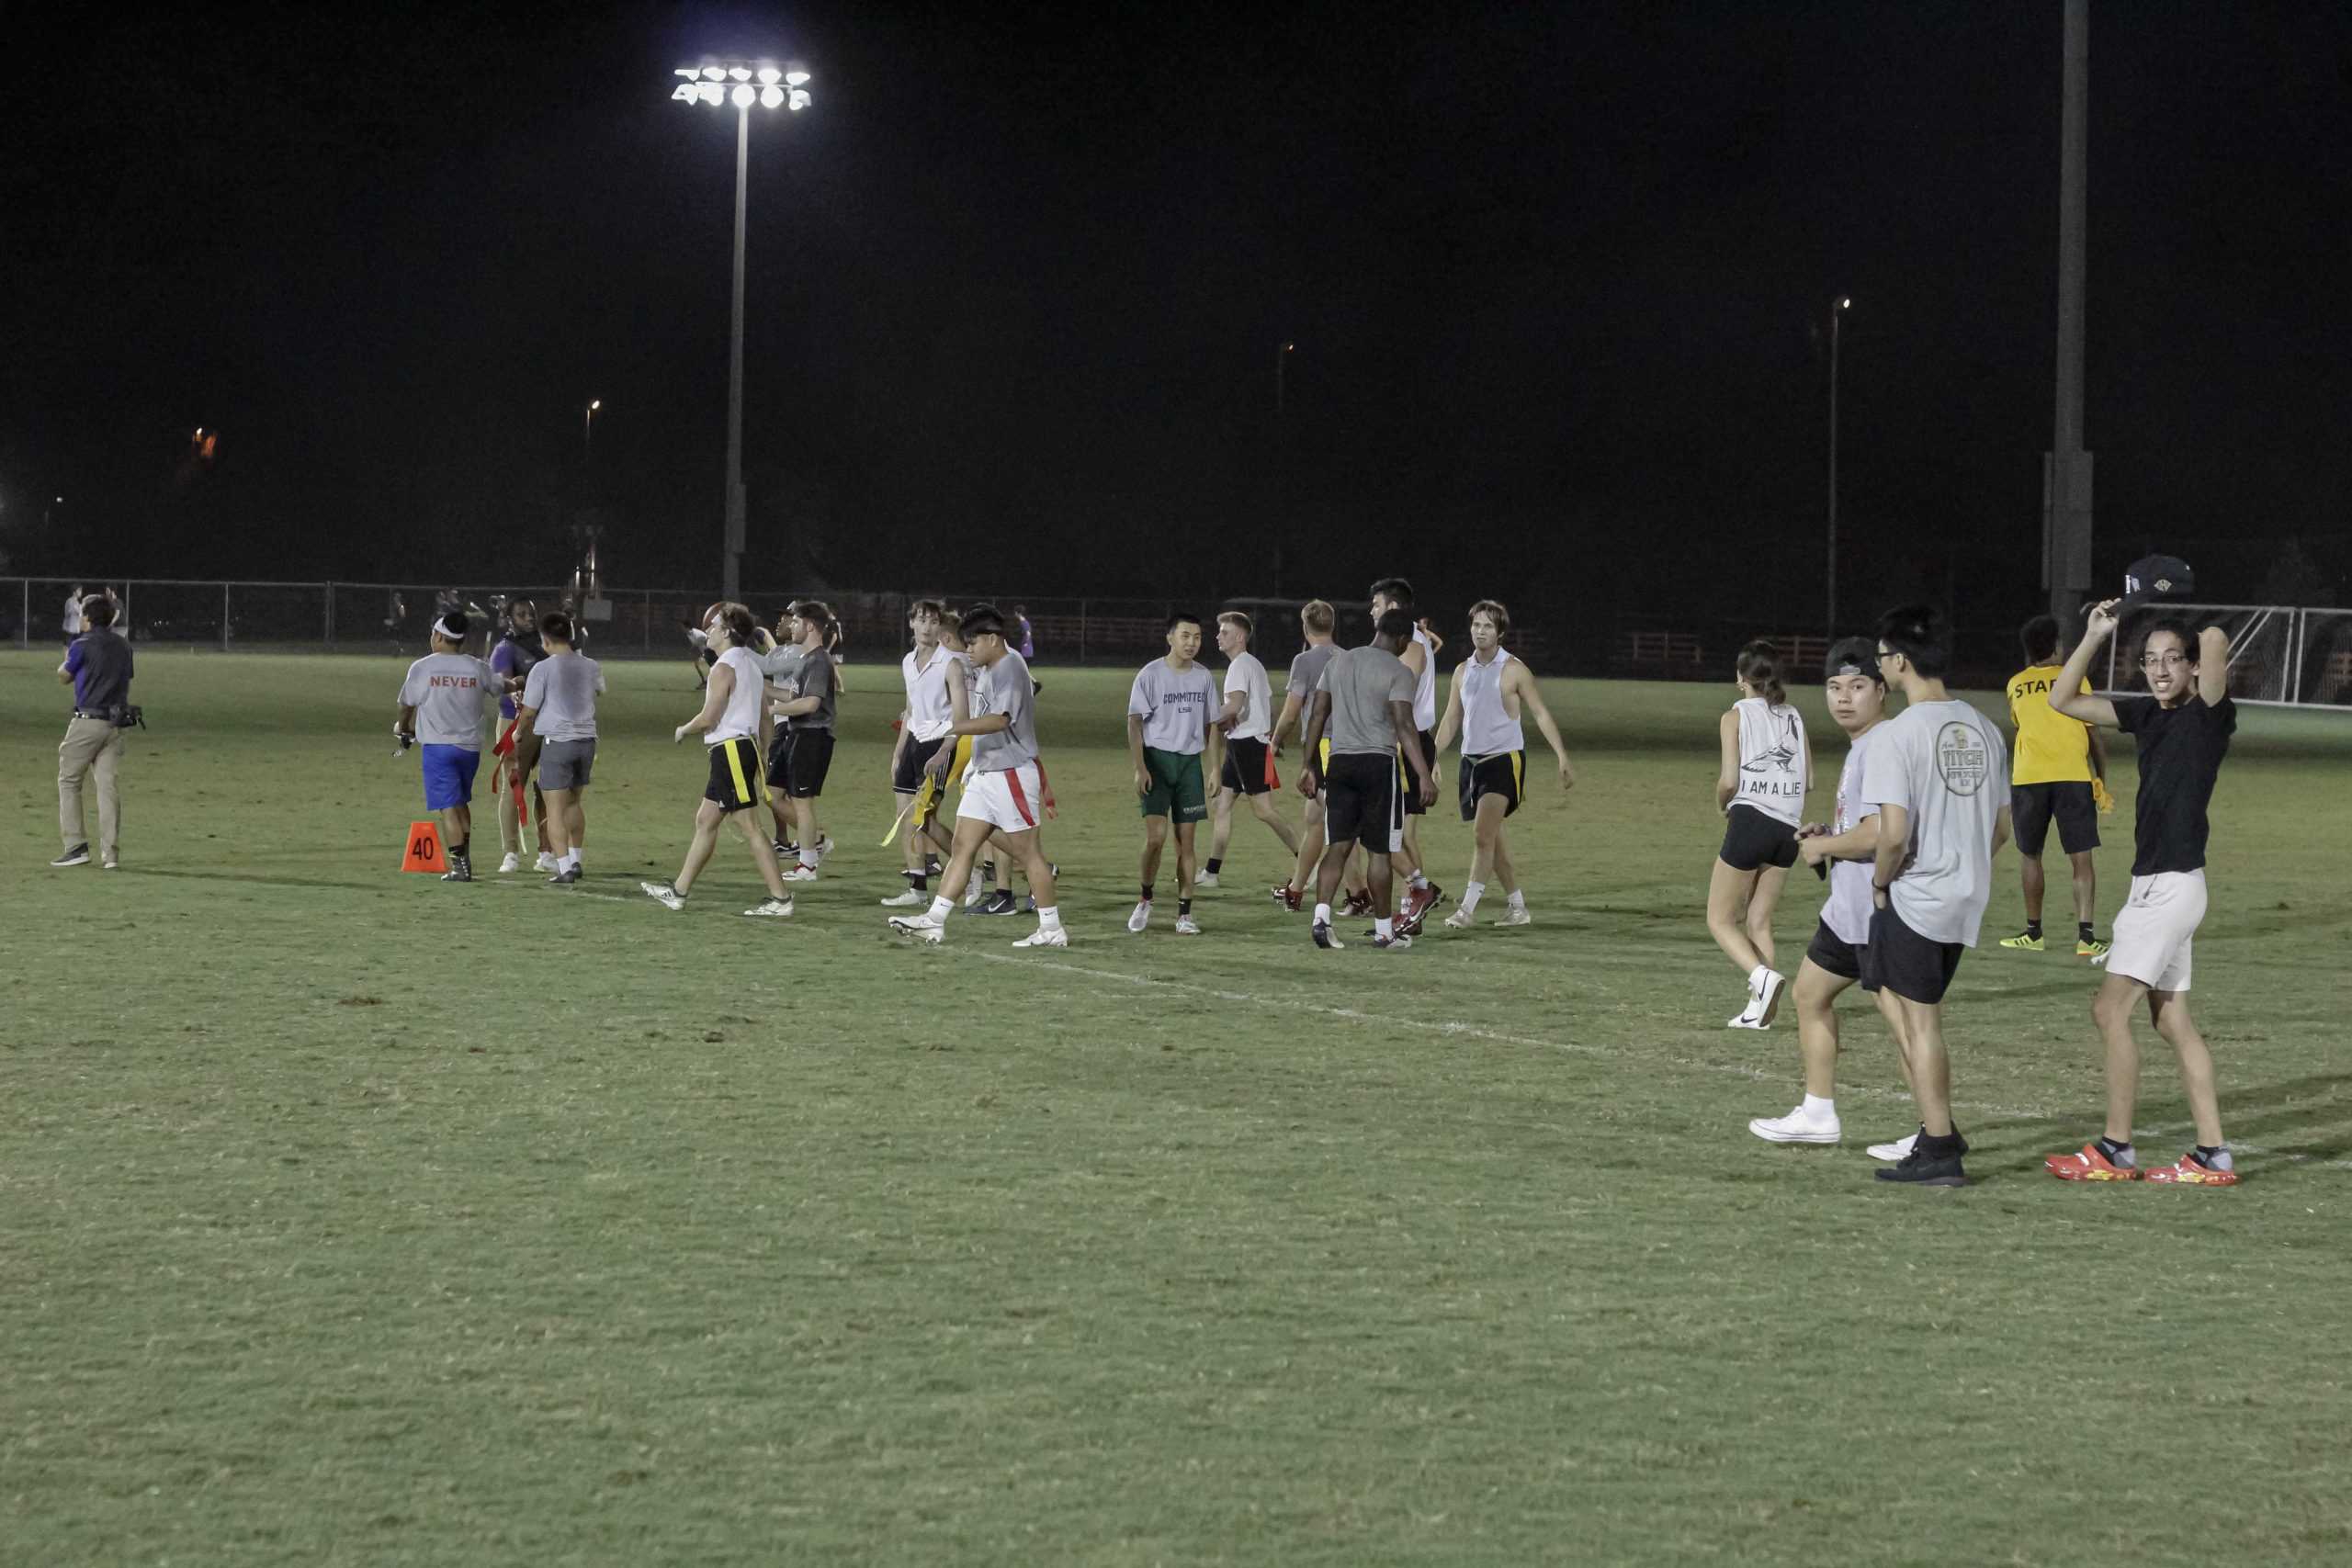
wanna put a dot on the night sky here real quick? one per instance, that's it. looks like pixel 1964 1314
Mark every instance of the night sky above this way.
pixel 1558 276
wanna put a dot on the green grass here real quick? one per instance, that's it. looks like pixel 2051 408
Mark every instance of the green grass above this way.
pixel 351 1217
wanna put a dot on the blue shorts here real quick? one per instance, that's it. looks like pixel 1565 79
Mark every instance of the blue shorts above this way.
pixel 449 775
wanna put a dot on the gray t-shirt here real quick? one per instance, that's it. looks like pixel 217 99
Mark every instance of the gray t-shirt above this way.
pixel 1004 687
pixel 1363 683
pixel 1846 911
pixel 1175 706
pixel 1946 765
pixel 1306 672
pixel 562 691
pixel 817 677
pixel 451 692
pixel 781 664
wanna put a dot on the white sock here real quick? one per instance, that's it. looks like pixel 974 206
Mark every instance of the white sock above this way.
pixel 1049 917
pixel 940 908
pixel 1417 882
pixel 1471 892
pixel 809 856
pixel 1322 914
pixel 571 861
pixel 1380 928
pixel 1816 1107
pixel 1518 898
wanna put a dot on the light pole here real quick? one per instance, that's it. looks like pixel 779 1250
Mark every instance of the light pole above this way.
pixel 588 433
pixel 779 88
pixel 1281 363
pixel 1837 317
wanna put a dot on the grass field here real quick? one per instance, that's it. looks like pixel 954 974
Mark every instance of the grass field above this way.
pixel 353 1217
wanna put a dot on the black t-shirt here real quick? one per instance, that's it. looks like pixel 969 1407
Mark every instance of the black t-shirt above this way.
pixel 2180 754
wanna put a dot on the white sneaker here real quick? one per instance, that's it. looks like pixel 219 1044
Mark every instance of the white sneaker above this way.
pixel 1040 937
pixel 109 863
pixel 1898 1150
pixel 780 908
pixel 547 860
pixel 1768 1000
pixel 509 865
pixel 1750 1017
pixel 1141 917
pixel 975 890
pixel 824 846
pixel 922 928
pixel 1187 926
pixel 1397 943
pixel 1797 1127
pixel 908 900
pixel 807 874
pixel 1205 879
pixel 663 894
pixel 1515 916
pixel 1460 920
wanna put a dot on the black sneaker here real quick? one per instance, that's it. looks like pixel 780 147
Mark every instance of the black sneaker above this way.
pixel 565 877
pixel 1932 1162
pixel 787 852
pixel 462 869
pixel 1001 902
pixel 78 855
pixel 1323 935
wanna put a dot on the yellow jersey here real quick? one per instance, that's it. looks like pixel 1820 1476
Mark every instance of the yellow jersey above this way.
pixel 2051 748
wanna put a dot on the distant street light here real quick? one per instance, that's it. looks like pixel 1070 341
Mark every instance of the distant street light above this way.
pixel 588 433
pixel 712 84
pixel 1281 363
pixel 1836 315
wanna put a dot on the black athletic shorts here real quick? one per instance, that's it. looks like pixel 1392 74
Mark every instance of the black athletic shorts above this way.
pixel 1831 952
pixel 2032 808
pixel 1753 839
pixel 1899 959
pixel 1364 802
pixel 1411 785
pixel 913 757
pixel 734 775
pixel 811 760
pixel 779 756
pixel 1249 768
pixel 1504 774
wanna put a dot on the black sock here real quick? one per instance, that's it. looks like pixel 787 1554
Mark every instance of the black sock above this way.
pixel 2084 928
pixel 463 845
pixel 1214 864
pixel 1183 906
pixel 919 880
pixel 1146 892
pixel 2033 928
pixel 2112 1149
pixel 2205 1153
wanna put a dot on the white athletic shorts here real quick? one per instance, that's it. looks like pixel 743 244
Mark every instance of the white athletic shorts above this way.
pixel 1012 799
pixel 2154 928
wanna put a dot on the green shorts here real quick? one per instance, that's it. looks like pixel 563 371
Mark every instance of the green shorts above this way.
pixel 1176 791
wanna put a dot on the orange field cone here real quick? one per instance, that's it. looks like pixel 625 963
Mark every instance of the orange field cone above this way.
pixel 423 851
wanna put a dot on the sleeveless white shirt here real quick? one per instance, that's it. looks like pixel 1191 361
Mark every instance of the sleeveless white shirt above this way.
pixel 1772 760
pixel 739 720
pixel 1488 727
pixel 931 710
pixel 1425 692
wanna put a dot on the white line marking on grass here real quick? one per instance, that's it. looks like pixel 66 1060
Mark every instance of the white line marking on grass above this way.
pixel 1455 1027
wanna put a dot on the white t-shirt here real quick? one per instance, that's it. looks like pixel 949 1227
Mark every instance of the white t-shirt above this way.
pixel 1175 706
pixel 73 622
pixel 1846 911
pixel 739 720
pixel 1425 684
pixel 930 707
pixel 451 694
pixel 1945 763
pixel 1772 760
pixel 562 691
pixel 1246 674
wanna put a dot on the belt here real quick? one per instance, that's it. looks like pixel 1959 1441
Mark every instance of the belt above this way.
pixel 105 716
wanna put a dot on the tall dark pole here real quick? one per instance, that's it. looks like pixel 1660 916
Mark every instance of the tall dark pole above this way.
pixel 731 577
pixel 2066 470
pixel 1282 457
pixel 1829 598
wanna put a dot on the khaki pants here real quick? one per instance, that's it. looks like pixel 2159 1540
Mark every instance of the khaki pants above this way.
pixel 90 743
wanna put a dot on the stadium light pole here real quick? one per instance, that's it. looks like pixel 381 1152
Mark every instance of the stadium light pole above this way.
pixel 713 83
pixel 588 433
pixel 1837 317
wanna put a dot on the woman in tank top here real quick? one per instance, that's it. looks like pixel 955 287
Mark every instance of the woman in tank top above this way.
pixel 1760 789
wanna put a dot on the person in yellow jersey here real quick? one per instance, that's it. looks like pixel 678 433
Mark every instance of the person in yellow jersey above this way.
pixel 2060 774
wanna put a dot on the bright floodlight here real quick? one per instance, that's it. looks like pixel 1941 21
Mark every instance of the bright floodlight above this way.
pixel 743 96
pixel 594 404
pixel 714 73
pixel 1845 304
pixel 741 73
pixel 795 78
pixel 800 99
pixel 770 75
pixel 771 97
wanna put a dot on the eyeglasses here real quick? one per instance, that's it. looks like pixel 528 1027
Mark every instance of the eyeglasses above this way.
pixel 2163 660
pixel 1884 654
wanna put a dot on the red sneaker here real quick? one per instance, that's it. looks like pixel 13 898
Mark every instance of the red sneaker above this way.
pixel 1287 897
pixel 2091 1164
pixel 1419 901
pixel 1358 905
pixel 2190 1173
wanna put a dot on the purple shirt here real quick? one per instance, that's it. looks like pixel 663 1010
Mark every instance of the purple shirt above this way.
pixel 511 659
pixel 1028 642
pixel 100 662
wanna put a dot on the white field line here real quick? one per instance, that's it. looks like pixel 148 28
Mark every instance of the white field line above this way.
pixel 1455 1028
